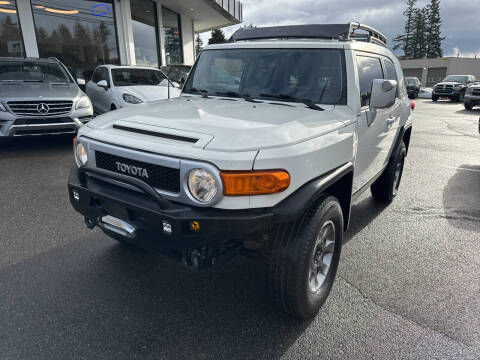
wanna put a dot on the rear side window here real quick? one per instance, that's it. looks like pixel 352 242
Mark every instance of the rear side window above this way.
pixel 391 73
pixel 369 69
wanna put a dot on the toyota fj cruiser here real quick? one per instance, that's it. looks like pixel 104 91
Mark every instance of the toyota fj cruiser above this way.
pixel 274 135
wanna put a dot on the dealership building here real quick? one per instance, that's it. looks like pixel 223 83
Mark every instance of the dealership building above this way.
pixel 432 71
pixel 84 33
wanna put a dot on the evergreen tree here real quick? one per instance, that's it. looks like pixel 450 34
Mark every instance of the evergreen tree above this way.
pixel 217 37
pixel 405 40
pixel 198 44
pixel 434 35
pixel 419 41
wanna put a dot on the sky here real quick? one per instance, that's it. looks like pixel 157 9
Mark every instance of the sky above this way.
pixel 460 18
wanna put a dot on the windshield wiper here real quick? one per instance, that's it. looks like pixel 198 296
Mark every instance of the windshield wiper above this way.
pixel 202 92
pixel 246 97
pixel 290 98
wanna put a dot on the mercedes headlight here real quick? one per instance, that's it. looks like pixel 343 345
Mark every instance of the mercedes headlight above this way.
pixel 81 157
pixel 2 107
pixel 83 103
pixel 202 185
pixel 131 99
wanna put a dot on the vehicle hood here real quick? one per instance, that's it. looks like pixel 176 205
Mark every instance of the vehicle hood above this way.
pixel 37 91
pixel 149 93
pixel 449 83
pixel 222 124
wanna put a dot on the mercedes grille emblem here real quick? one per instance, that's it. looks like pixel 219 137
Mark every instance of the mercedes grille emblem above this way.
pixel 43 108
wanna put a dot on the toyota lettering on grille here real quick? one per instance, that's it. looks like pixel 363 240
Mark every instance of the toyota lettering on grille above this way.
pixel 132 170
pixel 43 108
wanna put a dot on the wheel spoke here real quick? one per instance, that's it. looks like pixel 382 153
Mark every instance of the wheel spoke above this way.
pixel 329 246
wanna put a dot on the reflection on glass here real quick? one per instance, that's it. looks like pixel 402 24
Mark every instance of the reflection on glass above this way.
pixel 144 24
pixel 81 34
pixel 137 77
pixel 11 43
pixel 173 37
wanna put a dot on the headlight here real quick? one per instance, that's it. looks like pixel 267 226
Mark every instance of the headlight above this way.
pixel 131 99
pixel 83 103
pixel 470 91
pixel 81 156
pixel 459 86
pixel 2 108
pixel 202 185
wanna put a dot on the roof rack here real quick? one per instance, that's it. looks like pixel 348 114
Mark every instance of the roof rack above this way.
pixel 342 32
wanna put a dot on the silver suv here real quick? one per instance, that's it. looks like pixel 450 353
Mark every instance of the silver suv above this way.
pixel 40 96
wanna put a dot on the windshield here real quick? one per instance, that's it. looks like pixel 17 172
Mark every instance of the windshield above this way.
pixel 410 82
pixel 135 77
pixel 33 72
pixel 456 78
pixel 316 75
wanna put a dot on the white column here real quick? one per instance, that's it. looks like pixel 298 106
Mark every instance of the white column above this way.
pixel 123 17
pixel 188 39
pixel 161 36
pixel 25 15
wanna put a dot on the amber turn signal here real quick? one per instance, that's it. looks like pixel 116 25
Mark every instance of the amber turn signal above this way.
pixel 244 183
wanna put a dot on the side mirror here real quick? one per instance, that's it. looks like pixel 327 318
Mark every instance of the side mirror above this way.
pixel 81 82
pixel 182 80
pixel 384 93
pixel 103 84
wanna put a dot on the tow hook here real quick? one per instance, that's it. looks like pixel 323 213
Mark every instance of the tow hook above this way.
pixel 90 222
pixel 197 259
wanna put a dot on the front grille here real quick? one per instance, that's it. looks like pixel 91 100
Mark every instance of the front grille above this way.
pixel 444 89
pixel 24 132
pixel 39 121
pixel 159 177
pixel 40 108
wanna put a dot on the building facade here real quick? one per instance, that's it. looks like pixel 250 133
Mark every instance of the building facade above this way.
pixel 432 71
pixel 85 33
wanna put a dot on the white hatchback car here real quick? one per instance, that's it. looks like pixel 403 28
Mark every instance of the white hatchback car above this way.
pixel 114 87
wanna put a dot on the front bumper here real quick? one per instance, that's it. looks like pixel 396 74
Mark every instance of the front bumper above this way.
pixel 12 125
pixel 445 94
pixel 159 224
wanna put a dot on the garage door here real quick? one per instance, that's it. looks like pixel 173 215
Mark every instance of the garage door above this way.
pixel 413 73
pixel 435 75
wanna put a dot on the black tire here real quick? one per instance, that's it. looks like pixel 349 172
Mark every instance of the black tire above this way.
pixel 385 188
pixel 415 95
pixel 468 106
pixel 113 107
pixel 434 98
pixel 290 260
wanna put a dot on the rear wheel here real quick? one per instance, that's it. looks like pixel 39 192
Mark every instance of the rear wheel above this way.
pixel 387 185
pixel 434 98
pixel 303 259
pixel 113 107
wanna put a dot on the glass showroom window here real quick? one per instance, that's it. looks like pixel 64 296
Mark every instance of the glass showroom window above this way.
pixel 173 37
pixel 11 42
pixel 80 33
pixel 144 24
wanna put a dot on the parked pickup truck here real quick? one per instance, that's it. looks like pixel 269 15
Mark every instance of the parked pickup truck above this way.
pixel 272 138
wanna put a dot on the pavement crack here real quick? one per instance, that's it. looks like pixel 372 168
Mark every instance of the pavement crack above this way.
pixel 391 311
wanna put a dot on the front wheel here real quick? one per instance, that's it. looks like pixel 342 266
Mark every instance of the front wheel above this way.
pixel 434 98
pixel 387 185
pixel 303 259
pixel 468 106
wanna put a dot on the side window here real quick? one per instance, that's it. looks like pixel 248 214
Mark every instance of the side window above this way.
pixel 96 75
pixel 369 69
pixel 391 73
pixel 103 75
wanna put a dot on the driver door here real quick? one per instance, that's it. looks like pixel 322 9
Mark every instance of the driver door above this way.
pixel 375 127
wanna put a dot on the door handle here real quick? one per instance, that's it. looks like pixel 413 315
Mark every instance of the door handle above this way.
pixel 390 120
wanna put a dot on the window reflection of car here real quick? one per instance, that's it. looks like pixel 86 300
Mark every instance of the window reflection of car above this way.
pixel 114 87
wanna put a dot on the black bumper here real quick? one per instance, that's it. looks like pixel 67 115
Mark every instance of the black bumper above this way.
pixel 148 212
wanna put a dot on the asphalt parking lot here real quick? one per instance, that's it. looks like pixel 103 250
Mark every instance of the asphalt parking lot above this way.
pixel 408 284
